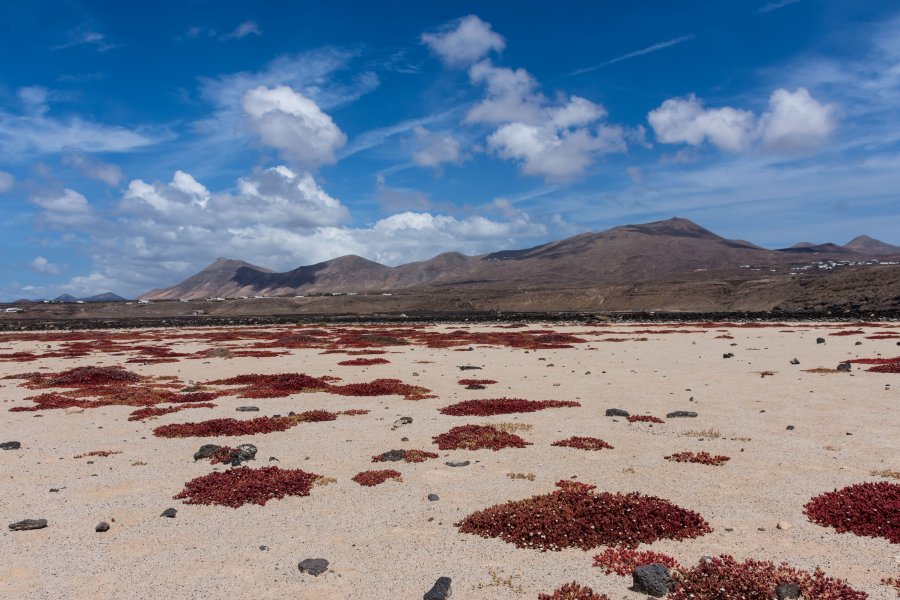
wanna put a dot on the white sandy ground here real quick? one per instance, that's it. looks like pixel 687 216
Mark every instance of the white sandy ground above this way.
pixel 390 541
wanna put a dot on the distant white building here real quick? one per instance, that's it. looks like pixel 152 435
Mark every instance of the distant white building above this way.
pixel 14 309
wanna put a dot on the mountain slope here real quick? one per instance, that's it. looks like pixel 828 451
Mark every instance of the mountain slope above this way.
pixel 867 245
pixel 214 280
pixel 625 254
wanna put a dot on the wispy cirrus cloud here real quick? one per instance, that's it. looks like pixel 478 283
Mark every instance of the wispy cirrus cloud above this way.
pixel 243 30
pixel 636 53
pixel 771 6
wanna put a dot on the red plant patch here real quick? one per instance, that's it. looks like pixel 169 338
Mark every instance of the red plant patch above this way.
pixel 410 456
pixel 868 509
pixel 701 458
pixel 888 368
pixel 574 516
pixel 573 591
pixel 237 487
pixel 89 376
pixel 476 382
pixel 724 577
pixel 644 419
pixel 373 478
pixel 231 427
pixel 281 385
pixel 502 406
pixel 583 443
pixel 623 561
pixel 364 362
pixel 382 387
pixel 145 413
pixel 476 437
pixel 848 332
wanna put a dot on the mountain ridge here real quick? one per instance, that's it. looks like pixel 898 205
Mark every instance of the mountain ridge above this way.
pixel 623 254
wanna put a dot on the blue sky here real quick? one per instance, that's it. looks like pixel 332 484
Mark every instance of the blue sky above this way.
pixel 140 142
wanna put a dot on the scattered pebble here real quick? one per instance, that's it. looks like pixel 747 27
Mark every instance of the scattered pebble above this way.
pixel 313 566
pixel 28 524
pixel 247 409
pixel 617 412
pixel 433 497
pixel 681 414
pixel 101 527
pixel 169 512
pixel 440 590
pixel 10 445
pixel 653 580
pixel 458 463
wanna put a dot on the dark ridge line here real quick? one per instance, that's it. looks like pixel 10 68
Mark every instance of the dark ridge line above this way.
pixel 591 318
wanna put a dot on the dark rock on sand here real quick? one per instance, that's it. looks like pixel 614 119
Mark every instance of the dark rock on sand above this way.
pixel 820 340
pixel 10 445
pixel 433 497
pixel 653 580
pixel 457 463
pixel 469 368
pixel 28 524
pixel 313 566
pixel 101 527
pixel 617 412
pixel 681 414
pixel 392 455
pixel 205 451
pixel 247 409
pixel 439 591
pixel 844 366
pixel 794 361
pixel 169 512
pixel 728 355
pixel 788 591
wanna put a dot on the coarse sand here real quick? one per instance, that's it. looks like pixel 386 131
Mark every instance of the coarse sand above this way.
pixel 390 541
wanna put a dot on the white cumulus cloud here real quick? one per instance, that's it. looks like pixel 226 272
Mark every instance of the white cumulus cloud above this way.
pixel 794 122
pixel 44 267
pixel 464 41
pixel 433 149
pixel 687 120
pixel 292 123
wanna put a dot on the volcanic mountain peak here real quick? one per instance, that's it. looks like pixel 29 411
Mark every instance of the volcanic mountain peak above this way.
pixel 868 245
pixel 676 226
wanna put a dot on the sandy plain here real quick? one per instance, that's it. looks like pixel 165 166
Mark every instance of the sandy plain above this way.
pixel 389 541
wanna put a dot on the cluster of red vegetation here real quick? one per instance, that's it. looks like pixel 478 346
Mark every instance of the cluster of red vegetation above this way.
pixel 644 419
pixel 701 458
pixel 373 478
pixel 574 516
pixel 87 376
pixel 724 577
pixel 886 368
pixel 354 352
pixel 476 382
pixel 237 487
pixel 883 336
pixel 623 561
pixel 382 387
pixel 280 385
pixel 103 453
pixel 583 443
pixel 354 412
pixel 725 337
pixel 477 437
pixel 573 591
pixel 151 411
pixel 364 362
pixel 232 427
pixel 868 509
pixel 848 332
pixel 411 456
pixel 502 406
